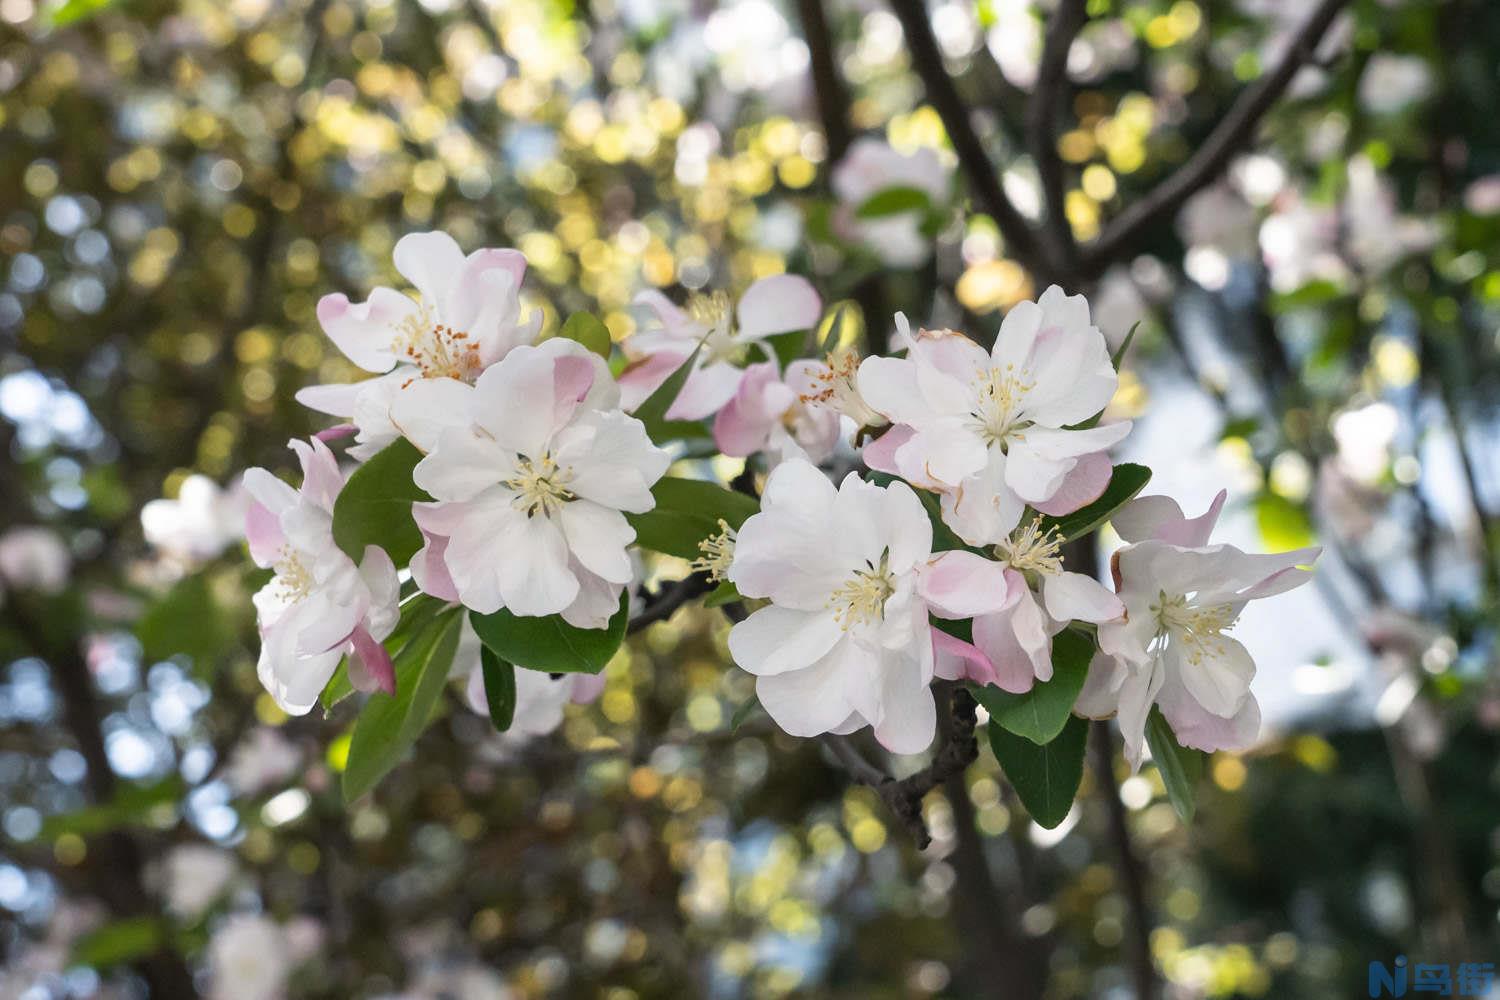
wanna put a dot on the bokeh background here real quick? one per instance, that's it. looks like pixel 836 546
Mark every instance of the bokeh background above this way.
pixel 180 181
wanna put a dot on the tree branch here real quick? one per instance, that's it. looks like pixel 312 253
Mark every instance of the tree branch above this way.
pixel 1234 132
pixel 984 180
pixel 1041 122
pixel 1132 877
pixel 828 86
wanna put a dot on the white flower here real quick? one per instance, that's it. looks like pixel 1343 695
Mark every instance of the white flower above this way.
pixel 540 697
pixel 530 485
pixel 262 761
pixel 203 521
pixel 783 303
pixel 872 166
pixel 851 577
pixel 425 351
pixel 194 876
pixel 990 429
pixel 1044 598
pixel 779 416
pixel 34 558
pixel 1172 649
pixel 248 959
pixel 319 606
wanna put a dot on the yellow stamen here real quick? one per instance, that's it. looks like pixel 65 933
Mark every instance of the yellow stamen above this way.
pixel 861 600
pixel 998 409
pixel 718 553
pixel 1200 629
pixel 436 350
pixel 1030 549
pixel 541 486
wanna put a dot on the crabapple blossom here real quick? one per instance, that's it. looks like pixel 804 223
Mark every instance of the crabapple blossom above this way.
pixel 193 878
pixel 530 485
pixel 320 605
pixel 425 351
pixel 993 430
pixel 872 166
pixel 778 415
pixel 263 760
pixel 851 577
pixel 1043 598
pixel 251 957
pixel 540 700
pixel 1181 597
pixel 783 303
pixel 34 558
pixel 200 523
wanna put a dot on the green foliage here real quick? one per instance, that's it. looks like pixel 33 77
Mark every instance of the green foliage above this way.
pixel 1179 766
pixel 389 725
pixel 187 621
pixel 1041 713
pixel 1046 777
pixel 499 688
pixel 74 11
pixel 1283 525
pixel 118 942
pixel 132 804
pixel 743 713
pixel 586 329
pixel 894 201
pixel 549 643
pixel 687 511
pixel 374 507
pixel 1127 480
pixel 724 593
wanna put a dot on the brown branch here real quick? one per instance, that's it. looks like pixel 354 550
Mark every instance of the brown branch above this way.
pixel 1234 132
pixel 927 59
pixel 1132 875
pixel 1041 122
pixel 664 602
pixel 828 86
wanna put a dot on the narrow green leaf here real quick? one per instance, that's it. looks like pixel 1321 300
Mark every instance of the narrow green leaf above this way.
pixel 588 330
pixel 73 11
pixel 499 688
pixel 118 942
pixel 1045 777
pixel 415 612
pixel 1040 714
pixel 653 412
pixel 743 713
pixel 131 805
pixel 374 508
pixel 550 644
pixel 687 511
pixel 835 336
pixel 893 201
pixel 1119 354
pixel 388 726
pixel 1127 480
pixel 1179 766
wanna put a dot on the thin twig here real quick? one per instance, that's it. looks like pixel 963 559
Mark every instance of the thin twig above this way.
pixel 1042 117
pixel 663 603
pixel 1234 132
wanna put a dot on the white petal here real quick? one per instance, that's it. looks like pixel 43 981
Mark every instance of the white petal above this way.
pixel 775 640
pixel 779 304
pixel 337 399
pixel 961 585
pixel 367 331
pixel 909 715
pixel 1160 518
pixel 463 465
pixel 1075 597
pixel 813 700
pixel 612 460
pixel 515 401
pixel 426 407
pixel 597 536
pixel 1216 673
pixel 534 578
pixel 432 262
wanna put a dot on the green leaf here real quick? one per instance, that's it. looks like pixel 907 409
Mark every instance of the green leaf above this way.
pixel 1119 354
pixel 587 330
pixel 374 507
pixel 1040 714
pixel 1179 766
pixel 73 11
pixel 388 726
pixel 118 942
pixel 687 511
pixel 724 593
pixel 415 612
pixel 185 620
pixel 550 644
pixel 132 804
pixel 653 412
pixel 894 201
pixel 1045 777
pixel 743 713
pixel 788 347
pixel 499 688
pixel 835 336
pixel 1125 482
pixel 1283 525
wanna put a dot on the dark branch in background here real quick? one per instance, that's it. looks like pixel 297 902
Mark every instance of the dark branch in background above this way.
pixel 1041 124
pixel 903 797
pixel 1234 132
pixel 828 85
pixel 984 180
pixel 1132 877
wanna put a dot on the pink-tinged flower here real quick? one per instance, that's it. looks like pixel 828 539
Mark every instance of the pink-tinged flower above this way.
pixel 1017 639
pixel 530 484
pixel 319 606
pixel 779 416
pixel 991 430
pixel 845 642
pixel 427 351
pixel 872 166
pixel 783 303
pixel 540 700
pixel 1172 649
pixel 201 522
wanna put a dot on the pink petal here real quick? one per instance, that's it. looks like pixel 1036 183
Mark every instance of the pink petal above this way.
pixel 587 687
pixel 880 454
pixel 971 663
pixel 779 304
pixel 263 532
pixel 372 661
pixel 706 391
pixel 641 378
pixel 962 584
pixel 572 378
pixel 1081 487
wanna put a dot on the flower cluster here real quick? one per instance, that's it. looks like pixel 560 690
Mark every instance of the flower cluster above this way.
pixel 506 482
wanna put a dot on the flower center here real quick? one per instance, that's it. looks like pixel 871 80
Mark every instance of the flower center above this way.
pixel 1033 550
pixel 718 553
pixel 837 388
pixel 861 600
pixel 435 350
pixel 294 580
pixel 998 410
pixel 1200 629
pixel 714 312
pixel 541 486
